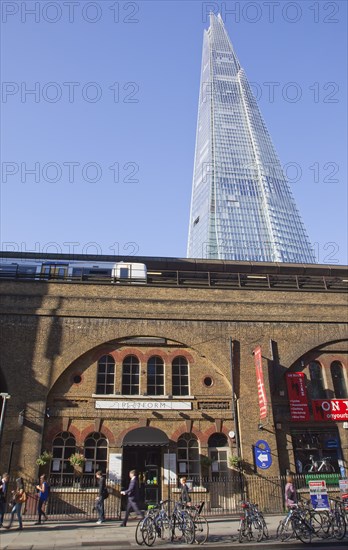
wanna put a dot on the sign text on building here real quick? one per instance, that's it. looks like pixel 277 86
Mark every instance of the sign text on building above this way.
pixel 144 405
pixel 297 392
pixel 260 382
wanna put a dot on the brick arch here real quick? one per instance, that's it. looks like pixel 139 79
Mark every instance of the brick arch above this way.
pixel 156 352
pixel 57 427
pixel 181 431
pixel 212 430
pixel 89 343
pixel 305 349
pixel 104 430
pixel 122 353
pixel 183 353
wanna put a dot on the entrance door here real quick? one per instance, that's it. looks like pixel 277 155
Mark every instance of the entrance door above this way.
pixel 147 461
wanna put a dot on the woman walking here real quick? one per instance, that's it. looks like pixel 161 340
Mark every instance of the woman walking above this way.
pixel 19 497
pixel 43 489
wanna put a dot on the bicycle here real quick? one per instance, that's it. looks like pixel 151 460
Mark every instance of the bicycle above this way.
pixel 156 522
pixel 250 526
pixel 259 515
pixel 181 522
pixel 334 521
pixel 323 465
pixel 199 521
pixel 300 522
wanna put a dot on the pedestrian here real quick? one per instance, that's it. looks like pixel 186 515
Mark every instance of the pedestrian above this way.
pixel 44 490
pixel 290 492
pixel 133 501
pixel 3 494
pixel 19 498
pixel 101 496
pixel 184 496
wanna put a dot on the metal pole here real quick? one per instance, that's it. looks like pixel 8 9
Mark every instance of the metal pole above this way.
pixel 10 457
pixel 4 396
pixel 234 403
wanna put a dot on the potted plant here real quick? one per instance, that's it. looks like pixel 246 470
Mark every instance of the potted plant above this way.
pixel 234 462
pixel 44 461
pixel 77 461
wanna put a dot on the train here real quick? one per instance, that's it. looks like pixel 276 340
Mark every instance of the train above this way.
pixel 73 270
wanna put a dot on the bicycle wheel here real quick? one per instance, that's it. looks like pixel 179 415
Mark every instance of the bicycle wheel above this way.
pixel 256 529
pixel 302 529
pixel 188 529
pixel 328 469
pixel 284 530
pixel 201 529
pixel 326 525
pixel 139 533
pixel 149 531
pixel 339 526
pixel 242 528
pixel 315 519
pixel 307 468
pixel 163 528
pixel 264 526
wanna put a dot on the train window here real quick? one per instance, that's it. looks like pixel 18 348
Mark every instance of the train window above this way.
pixel 124 272
pixel 27 269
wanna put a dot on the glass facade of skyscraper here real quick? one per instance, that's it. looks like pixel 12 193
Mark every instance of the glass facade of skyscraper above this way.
pixel 241 207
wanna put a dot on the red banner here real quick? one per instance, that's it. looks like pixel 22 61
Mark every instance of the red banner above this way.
pixel 297 393
pixel 330 409
pixel 260 383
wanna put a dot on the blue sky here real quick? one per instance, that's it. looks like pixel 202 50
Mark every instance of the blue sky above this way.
pixel 116 85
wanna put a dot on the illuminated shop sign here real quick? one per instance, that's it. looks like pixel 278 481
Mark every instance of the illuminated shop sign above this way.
pixel 330 409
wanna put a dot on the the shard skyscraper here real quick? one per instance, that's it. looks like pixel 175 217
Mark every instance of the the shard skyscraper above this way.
pixel 241 207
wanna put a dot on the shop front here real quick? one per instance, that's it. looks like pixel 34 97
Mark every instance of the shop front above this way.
pixel 143 450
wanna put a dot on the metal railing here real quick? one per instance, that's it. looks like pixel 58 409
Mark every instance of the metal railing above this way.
pixel 221 496
pixel 198 279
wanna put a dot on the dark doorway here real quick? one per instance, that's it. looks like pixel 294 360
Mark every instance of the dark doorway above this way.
pixel 147 461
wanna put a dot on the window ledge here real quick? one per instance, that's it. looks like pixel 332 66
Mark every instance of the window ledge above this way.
pixel 137 397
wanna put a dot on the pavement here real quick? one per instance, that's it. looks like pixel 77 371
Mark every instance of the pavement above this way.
pixel 87 535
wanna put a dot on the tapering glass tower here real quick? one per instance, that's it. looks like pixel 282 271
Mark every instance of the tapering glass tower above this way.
pixel 241 207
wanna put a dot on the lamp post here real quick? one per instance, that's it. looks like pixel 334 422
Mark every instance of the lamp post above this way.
pixel 5 397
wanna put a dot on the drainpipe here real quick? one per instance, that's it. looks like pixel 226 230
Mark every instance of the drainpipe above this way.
pixel 234 402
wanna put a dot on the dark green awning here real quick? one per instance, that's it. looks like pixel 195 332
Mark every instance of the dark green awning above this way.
pixel 145 437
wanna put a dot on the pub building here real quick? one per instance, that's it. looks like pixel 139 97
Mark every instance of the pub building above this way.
pixel 178 373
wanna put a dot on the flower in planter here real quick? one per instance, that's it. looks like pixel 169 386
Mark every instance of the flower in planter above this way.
pixel 234 461
pixel 44 458
pixel 77 460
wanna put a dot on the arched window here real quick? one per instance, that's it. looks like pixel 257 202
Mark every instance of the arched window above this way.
pixel 218 454
pixel 180 376
pixel 130 375
pixel 96 453
pixel 317 380
pixel 63 446
pixel 338 379
pixel 106 375
pixel 155 376
pixel 188 456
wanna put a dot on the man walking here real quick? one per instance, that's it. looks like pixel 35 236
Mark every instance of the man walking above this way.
pixel 133 497
pixel 3 494
pixel 101 496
